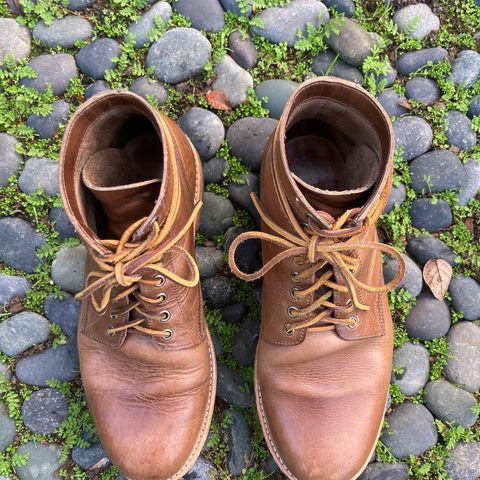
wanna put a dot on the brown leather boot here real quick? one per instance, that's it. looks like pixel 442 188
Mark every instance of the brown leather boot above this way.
pixel 132 184
pixel 325 351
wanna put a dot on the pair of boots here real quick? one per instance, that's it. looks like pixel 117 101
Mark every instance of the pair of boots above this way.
pixel 132 186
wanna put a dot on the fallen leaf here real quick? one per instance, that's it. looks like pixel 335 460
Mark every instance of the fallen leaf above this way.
pixel 469 224
pixel 454 149
pixel 218 100
pixel 16 305
pixel 437 274
pixel 100 464
pixel 405 104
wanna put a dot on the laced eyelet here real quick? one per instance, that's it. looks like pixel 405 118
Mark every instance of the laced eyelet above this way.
pixel 288 329
pixel 161 295
pixel 166 316
pixel 292 293
pixel 161 280
pixel 291 311
pixel 113 316
pixel 109 331
pixel 354 322
pixel 293 276
pixel 170 335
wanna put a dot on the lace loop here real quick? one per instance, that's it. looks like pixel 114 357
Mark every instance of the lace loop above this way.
pixel 334 249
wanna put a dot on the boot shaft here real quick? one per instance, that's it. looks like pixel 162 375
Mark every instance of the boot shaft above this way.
pixel 131 183
pixel 332 150
pixel 326 176
pixel 120 152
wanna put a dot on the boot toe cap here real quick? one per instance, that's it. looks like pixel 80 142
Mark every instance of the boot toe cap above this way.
pixel 153 418
pixel 320 420
pixel 153 447
pixel 314 442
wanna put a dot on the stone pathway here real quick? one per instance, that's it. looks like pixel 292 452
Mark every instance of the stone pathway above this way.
pixel 420 60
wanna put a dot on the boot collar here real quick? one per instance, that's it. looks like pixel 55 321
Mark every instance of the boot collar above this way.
pixel 73 156
pixel 340 90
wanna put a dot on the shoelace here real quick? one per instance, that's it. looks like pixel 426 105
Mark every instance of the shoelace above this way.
pixel 329 249
pixel 123 267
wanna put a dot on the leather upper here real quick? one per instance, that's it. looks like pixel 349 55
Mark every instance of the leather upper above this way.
pixel 151 397
pixel 321 394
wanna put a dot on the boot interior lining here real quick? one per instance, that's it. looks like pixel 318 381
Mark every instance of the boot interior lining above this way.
pixel 120 148
pixel 332 148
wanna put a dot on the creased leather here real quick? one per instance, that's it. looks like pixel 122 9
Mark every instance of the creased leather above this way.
pixel 151 400
pixel 321 395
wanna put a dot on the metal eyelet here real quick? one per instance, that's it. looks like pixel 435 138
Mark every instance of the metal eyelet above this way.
pixel 113 316
pixel 354 322
pixel 161 280
pixel 166 315
pixel 170 335
pixel 109 331
pixel 293 275
pixel 161 295
pixel 288 329
pixel 292 293
pixel 349 303
pixel 291 311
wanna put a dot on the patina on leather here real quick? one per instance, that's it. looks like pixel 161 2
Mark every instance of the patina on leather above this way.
pixel 131 183
pixel 324 356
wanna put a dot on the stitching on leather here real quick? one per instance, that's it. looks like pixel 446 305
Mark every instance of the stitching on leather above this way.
pixel 194 453
pixel 198 169
pixel 85 331
pixel 380 315
pixel 267 431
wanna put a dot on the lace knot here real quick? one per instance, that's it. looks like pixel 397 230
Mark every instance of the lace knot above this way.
pixel 126 265
pixel 330 253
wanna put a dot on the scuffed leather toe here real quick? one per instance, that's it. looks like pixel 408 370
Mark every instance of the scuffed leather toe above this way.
pixel 152 425
pixel 158 445
pixel 320 422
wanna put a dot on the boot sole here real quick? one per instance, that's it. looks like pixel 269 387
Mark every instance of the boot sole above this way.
pixel 273 449
pixel 211 353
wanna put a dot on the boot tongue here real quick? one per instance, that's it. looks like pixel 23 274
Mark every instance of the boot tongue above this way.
pixel 330 204
pixel 125 188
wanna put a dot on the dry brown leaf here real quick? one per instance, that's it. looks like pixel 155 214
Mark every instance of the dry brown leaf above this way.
pixel 454 149
pixel 100 464
pixel 16 305
pixel 469 224
pixel 218 100
pixel 437 274
pixel 405 104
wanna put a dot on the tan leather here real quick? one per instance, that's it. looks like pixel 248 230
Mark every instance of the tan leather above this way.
pixel 149 376
pixel 322 379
